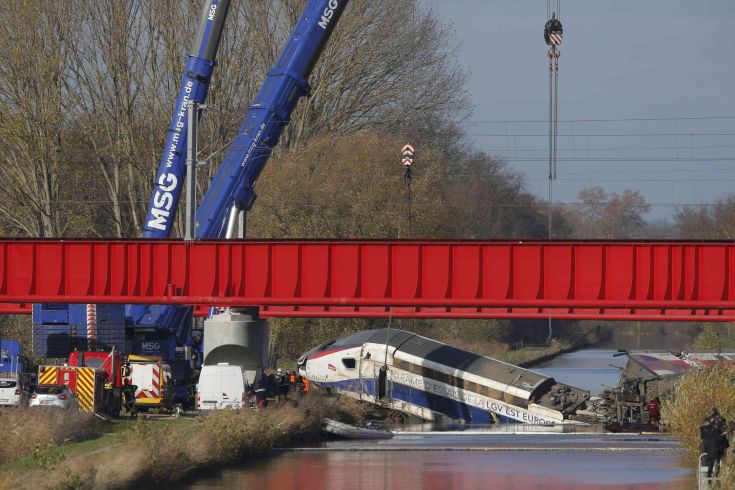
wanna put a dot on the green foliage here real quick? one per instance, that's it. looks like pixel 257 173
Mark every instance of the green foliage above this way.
pixel 708 340
pixel 46 456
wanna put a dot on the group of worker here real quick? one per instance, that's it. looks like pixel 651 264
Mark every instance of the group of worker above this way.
pixel 714 440
pixel 278 384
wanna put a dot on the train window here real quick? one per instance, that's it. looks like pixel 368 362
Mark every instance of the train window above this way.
pixel 470 386
pixel 348 362
pixel 326 345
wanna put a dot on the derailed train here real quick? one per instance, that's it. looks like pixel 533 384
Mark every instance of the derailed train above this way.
pixel 437 382
pixel 645 380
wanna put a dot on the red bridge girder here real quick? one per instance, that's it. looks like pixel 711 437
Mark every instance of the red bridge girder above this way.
pixel 663 280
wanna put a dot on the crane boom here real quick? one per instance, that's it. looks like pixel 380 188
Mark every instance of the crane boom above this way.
pixel 194 87
pixel 234 181
pixel 270 112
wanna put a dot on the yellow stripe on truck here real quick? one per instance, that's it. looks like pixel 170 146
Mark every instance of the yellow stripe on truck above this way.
pixel 85 389
pixel 47 376
pixel 147 401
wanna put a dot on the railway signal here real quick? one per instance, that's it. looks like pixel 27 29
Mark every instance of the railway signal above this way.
pixel 407 154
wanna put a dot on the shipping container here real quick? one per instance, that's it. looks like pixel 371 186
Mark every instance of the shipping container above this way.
pixel 60 329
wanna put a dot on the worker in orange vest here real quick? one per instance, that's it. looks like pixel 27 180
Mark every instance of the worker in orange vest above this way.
pixel 290 381
pixel 306 385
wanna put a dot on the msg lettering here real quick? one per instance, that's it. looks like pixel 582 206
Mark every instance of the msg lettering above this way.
pixel 328 14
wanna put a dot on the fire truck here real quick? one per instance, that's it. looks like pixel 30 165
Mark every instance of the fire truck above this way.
pixel 152 380
pixel 96 378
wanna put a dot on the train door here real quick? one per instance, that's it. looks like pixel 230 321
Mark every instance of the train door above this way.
pixel 382 382
pixel 367 375
pixel 380 370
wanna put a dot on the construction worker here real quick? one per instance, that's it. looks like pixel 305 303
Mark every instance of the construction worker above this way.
pixel 271 385
pixel 292 375
pixel 306 385
pixel 283 385
pixel 654 411
pixel 714 441
pixel 717 419
pixel 260 394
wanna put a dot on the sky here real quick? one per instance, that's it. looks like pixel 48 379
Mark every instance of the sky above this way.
pixel 669 60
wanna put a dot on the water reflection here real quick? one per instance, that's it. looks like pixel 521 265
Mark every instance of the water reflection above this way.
pixel 448 470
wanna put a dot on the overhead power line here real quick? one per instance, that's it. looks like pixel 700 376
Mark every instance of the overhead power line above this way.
pixel 605 135
pixel 583 148
pixel 419 204
pixel 621 159
pixel 606 120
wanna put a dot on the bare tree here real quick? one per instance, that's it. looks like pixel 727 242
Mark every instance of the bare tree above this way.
pixel 708 221
pixel 106 84
pixel 33 54
pixel 602 215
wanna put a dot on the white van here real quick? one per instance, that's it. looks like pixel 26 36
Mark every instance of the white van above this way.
pixel 221 386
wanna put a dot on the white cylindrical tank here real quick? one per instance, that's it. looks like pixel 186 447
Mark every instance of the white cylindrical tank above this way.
pixel 236 338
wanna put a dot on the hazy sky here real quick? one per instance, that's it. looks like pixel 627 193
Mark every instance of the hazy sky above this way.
pixel 624 59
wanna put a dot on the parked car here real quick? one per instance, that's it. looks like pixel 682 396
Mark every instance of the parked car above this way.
pixel 52 396
pixel 11 393
pixel 221 386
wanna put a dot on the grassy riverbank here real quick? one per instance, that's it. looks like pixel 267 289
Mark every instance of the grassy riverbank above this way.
pixel 147 454
pixel 29 432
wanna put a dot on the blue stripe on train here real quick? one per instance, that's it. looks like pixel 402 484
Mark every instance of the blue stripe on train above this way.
pixel 451 408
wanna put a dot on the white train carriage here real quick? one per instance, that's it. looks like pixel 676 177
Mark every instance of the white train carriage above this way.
pixel 436 381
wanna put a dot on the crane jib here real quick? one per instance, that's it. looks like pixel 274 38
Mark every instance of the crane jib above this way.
pixel 284 85
pixel 194 87
pixel 259 133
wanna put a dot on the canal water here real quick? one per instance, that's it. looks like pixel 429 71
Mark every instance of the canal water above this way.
pixel 587 369
pixel 511 457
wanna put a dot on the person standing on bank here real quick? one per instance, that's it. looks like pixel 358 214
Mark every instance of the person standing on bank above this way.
pixel 714 441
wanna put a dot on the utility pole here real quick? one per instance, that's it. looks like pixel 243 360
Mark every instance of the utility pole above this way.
pixel 193 109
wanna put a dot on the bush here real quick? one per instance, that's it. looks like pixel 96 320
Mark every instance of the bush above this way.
pixel 708 340
pixel 693 398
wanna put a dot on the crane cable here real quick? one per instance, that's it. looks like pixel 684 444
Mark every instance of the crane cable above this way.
pixel 553 34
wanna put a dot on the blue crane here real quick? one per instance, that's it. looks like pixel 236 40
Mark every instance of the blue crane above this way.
pixel 194 87
pixel 233 185
pixel 66 324
pixel 232 188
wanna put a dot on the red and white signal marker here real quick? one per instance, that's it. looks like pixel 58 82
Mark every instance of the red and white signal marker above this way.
pixel 407 153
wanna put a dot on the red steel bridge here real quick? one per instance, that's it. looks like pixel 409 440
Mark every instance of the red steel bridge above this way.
pixel 601 280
